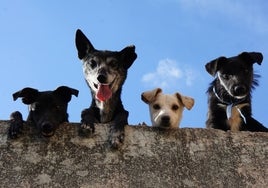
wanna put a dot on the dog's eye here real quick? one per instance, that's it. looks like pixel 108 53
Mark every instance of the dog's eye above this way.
pixel 36 108
pixel 58 107
pixel 175 107
pixel 93 63
pixel 156 106
pixel 225 76
pixel 113 64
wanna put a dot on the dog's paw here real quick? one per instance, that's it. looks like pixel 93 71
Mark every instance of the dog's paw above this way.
pixel 86 129
pixel 14 130
pixel 15 126
pixel 90 127
pixel 116 138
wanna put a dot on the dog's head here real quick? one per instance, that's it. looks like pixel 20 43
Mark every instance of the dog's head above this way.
pixel 235 74
pixel 166 110
pixel 47 109
pixel 104 71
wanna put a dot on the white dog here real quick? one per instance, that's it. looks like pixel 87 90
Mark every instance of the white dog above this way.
pixel 166 110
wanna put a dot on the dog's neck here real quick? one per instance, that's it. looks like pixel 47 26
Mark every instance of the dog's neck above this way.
pixel 107 108
pixel 238 105
pixel 232 100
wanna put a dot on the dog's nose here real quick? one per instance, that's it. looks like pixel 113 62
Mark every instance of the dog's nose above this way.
pixel 240 90
pixel 47 129
pixel 165 119
pixel 102 78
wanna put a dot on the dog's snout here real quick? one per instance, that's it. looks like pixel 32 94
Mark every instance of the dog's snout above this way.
pixel 165 118
pixel 47 129
pixel 165 121
pixel 102 75
pixel 240 90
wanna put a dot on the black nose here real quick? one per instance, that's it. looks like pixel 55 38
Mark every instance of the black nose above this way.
pixel 102 78
pixel 47 129
pixel 240 90
pixel 165 120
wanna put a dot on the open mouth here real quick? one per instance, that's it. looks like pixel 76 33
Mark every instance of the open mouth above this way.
pixel 104 91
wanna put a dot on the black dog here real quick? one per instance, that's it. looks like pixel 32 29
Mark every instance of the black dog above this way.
pixel 230 93
pixel 47 109
pixel 105 73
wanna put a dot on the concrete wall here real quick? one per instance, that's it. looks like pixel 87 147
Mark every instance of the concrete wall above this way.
pixel 148 158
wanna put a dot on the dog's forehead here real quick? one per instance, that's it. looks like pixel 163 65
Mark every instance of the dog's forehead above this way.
pixel 47 97
pixel 237 61
pixel 104 54
pixel 234 64
pixel 167 99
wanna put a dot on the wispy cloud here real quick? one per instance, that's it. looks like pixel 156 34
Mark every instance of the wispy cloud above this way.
pixel 168 74
pixel 248 13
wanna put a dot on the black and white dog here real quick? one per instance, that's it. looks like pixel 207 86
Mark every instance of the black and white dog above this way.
pixel 105 73
pixel 47 109
pixel 229 95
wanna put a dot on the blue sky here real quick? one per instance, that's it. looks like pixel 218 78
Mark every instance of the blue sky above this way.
pixel 174 40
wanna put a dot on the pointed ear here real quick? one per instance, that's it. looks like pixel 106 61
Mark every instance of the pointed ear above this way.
pixel 149 96
pixel 252 57
pixel 65 93
pixel 83 45
pixel 28 95
pixel 188 102
pixel 213 66
pixel 128 56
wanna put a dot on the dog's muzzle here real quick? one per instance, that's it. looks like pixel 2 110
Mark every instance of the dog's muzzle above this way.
pixel 239 90
pixel 47 129
pixel 102 78
pixel 165 121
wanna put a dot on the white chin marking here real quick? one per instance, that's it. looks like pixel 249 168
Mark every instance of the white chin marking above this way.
pixel 239 97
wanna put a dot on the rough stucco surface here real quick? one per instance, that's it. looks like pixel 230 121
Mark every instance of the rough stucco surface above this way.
pixel 148 158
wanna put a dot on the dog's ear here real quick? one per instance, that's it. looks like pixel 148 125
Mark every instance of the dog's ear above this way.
pixel 128 56
pixel 149 96
pixel 213 66
pixel 83 45
pixel 28 95
pixel 65 93
pixel 252 57
pixel 188 102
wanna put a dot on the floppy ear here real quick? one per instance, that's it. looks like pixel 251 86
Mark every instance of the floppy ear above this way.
pixel 149 96
pixel 65 93
pixel 128 56
pixel 252 57
pixel 83 45
pixel 213 66
pixel 188 102
pixel 28 95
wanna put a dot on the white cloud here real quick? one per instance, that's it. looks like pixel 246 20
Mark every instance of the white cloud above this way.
pixel 190 76
pixel 168 74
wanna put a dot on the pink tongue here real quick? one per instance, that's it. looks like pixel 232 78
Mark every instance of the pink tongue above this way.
pixel 104 92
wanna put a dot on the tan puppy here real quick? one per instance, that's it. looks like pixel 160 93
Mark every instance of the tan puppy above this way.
pixel 166 110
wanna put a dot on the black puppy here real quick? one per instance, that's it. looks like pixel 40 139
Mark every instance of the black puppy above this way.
pixel 47 109
pixel 105 73
pixel 229 95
